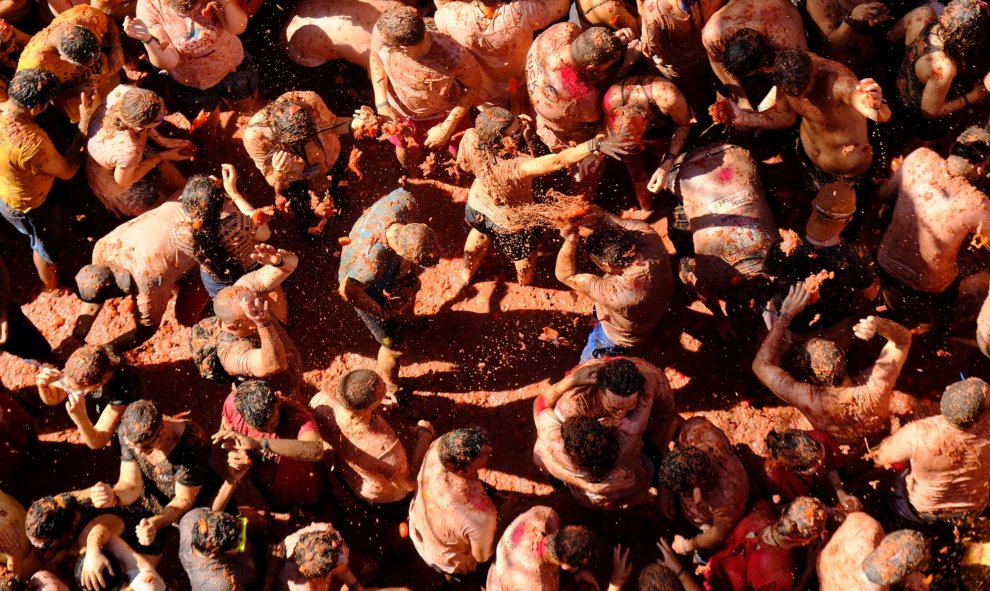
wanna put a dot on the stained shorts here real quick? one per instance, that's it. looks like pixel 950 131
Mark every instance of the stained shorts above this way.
pixel 515 245
pixel 387 331
pixel 238 85
pixel 599 346
pixel 33 225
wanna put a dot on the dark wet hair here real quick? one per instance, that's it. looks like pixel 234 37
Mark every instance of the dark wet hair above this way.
pixel 203 200
pixel 793 448
pixel 593 447
pixel 792 71
pixel 747 299
pixel 401 26
pixel 140 422
pixel 359 389
pixel 964 402
pixel 50 518
pixel 972 145
pixel 317 553
pixel 802 520
pixel 137 108
pixel 183 6
pixel 418 242
pixel 595 47
pixel 257 402
pixel 291 121
pixel 490 124
pixel 33 87
pixel 964 27
pixel 610 246
pixel 10 581
pixel 684 468
pixel 620 376
pixel 118 581
pixel 460 448
pixel 79 45
pixel 215 532
pixel 899 554
pixel 89 363
pixel 658 577
pixel 817 361
pixel 573 545
pixel 97 284
pixel 744 52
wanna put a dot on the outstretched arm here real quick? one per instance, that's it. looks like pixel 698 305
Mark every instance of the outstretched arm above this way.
pixel 766 365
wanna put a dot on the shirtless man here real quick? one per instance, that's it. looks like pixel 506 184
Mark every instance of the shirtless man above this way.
pixel 651 113
pixel 422 78
pixel 566 72
pixel 709 482
pixel 949 455
pixel 451 519
pixel 498 33
pixel 859 557
pixel 744 37
pixel 319 31
pixel 368 454
pixel 937 208
pixel 834 107
pixel 844 29
pixel 848 408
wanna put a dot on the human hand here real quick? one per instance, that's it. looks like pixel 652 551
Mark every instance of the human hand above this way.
pixel 870 13
pixel 871 91
pixel 285 162
pixel 866 328
pixel 234 441
pixel 75 405
pixel 135 28
pixel 586 374
pixel 4 330
pixel 669 558
pixel 211 8
pixel 682 545
pixel 238 462
pixel 94 563
pixel 725 111
pixel 626 36
pixel 621 569
pixel 175 154
pixel 146 531
pixel 266 254
pixel 796 300
pixel 46 376
pixel 660 175
pixel 102 495
pixel 89 102
pixel 437 136
pixel 256 310
pixel 426 427
pixel 850 503
pixel 229 176
pixel 615 146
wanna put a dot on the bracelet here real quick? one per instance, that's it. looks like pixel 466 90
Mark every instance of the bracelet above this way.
pixel 380 105
pixel 281 260
pixel 594 144
pixel 668 156
pixel 680 573
pixel 849 20
pixel 264 324
pixel 784 315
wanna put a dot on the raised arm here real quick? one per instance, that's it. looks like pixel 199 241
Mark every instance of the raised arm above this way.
pixel 585 375
pixel 161 52
pixel 235 20
pixel 278 264
pixel 566 267
pixel 766 365
pixel 610 146
pixel 894 353
pixel 865 96
pixel 99 435
pixel 269 358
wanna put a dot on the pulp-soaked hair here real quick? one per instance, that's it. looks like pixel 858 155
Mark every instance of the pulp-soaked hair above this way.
pixel 744 52
pixel 620 376
pixel 792 71
pixel 972 145
pixel 137 108
pixel 610 246
pixel 594 447
pixel 964 402
pixel 79 45
pixel 401 26
pixel 203 200
pixel 819 362
pixel 490 124
pixel 684 468
pixel 10 581
pixel 964 27
pixel 899 554
pixel 32 87
pixel 629 122
pixel 658 577
pixel 418 243
pixel 291 121
pixel 318 553
pixel 257 402
pixel 803 520
pixel 460 448
pixel 216 532
pixel 183 6
pixel 140 422
pixel 89 363
pixel 573 545
pixel 117 581
pixel 50 518
pixel 793 448
pixel 359 389
pixel 96 284
pixel 595 47
pixel 747 299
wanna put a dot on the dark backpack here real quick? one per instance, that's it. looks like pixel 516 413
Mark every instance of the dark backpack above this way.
pixel 205 340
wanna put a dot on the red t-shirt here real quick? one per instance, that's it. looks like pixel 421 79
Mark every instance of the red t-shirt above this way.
pixel 790 485
pixel 745 563
pixel 285 482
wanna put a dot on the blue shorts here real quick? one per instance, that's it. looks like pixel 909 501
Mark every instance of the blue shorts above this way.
pixel 600 346
pixel 238 85
pixel 388 332
pixel 33 225
pixel 212 283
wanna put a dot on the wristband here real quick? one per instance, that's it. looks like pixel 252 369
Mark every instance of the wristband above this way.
pixel 380 105
pixel 668 156
pixel 849 20
pixel 264 324
pixel 680 573
pixel 784 315
pixel 594 144
pixel 281 261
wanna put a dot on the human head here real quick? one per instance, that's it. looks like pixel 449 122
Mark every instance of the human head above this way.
pixel 98 283
pixel 572 547
pixel 744 52
pixel 319 553
pixel 801 523
pixel 747 298
pixel 183 6
pixel 417 243
pixel 139 108
pixel 460 449
pixel 619 383
pixel 216 532
pixel 833 207
pixel 972 146
pixel 794 449
pixel 629 122
pixel 401 26
pixel 964 26
pixel 492 126
pixel 9 581
pixel 899 554
pixel 593 447
pixel 360 389
pixel 793 72
pixel 964 402
pixel 114 577
pixel 33 88
pixel 658 577
pixel 90 366
pixel 596 48
pixel 684 468
pixel 202 198
pixel 141 424
pixel 51 521
pixel 258 403
pixel 818 361
pixel 78 45
pixel 291 121
pixel 228 309
pixel 610 248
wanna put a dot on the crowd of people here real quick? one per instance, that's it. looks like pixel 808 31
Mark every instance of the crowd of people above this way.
pixel 871 115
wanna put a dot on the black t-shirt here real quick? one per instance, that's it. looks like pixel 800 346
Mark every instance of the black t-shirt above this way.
pixel 853 271
pixel 124 387
pixel 188 464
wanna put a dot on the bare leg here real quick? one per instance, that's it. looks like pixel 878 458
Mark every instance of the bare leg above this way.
pixel 388 366
pixel 474 252
pixel 525 269
pixel 48 272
